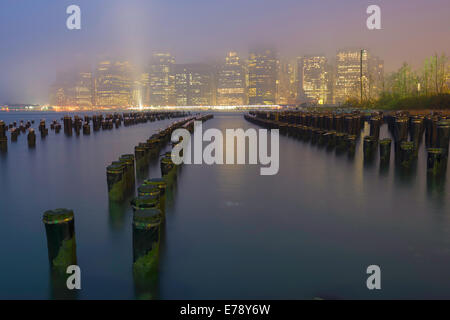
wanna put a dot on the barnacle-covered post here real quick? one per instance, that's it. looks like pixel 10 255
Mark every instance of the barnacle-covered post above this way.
pixel 443 134
pixel 385 151
pixel 416 130
pixel 140 153
pixel 168 169
pixel 375 127
pixel 162 186
pixel 60 230
pixel 116 182
pixel 436 161
pixel 146 243
pixel 128 160
pixel 148 190
pixel 351 145
pixel 407 154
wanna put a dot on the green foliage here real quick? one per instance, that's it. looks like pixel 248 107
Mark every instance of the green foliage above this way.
pixel 426 88
pixel 436 102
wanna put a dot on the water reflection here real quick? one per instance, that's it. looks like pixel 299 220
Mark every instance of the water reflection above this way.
pixel 436 187
pixel 117 214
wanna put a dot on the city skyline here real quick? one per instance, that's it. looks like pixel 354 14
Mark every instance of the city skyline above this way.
pixel 38 45
pixel 261 78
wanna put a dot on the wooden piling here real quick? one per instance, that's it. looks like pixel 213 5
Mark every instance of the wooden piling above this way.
pixel 60 230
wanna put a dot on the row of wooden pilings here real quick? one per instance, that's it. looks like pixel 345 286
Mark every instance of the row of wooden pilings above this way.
pixel 78 124
pixel 149 208
pixel 340 131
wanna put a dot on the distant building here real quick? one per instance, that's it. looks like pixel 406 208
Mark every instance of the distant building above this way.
pixel 286 83
pixel 194 85
pixel 161 80
pixel 114 84
pixel 358 75
pixel 315 79
pixel 262 77
pixel 231 82
pixel 300 93
pixel 348 74
pixel 73 89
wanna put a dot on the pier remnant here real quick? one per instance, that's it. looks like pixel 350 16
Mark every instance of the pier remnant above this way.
pixel 31 137
pixel 436 161
pixel 60 230
pixel 385 151
pixel 3 138
pixel 146 243
pixel 116 182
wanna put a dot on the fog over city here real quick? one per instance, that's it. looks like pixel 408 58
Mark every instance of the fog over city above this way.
pixel 36 45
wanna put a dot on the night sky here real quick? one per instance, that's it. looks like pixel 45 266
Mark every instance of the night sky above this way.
pixel 35 43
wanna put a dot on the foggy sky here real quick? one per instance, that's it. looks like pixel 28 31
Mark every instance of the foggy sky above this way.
pixel 35 43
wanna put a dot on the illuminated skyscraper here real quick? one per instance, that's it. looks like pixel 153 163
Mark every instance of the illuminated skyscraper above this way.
pixel 286 83
pixel 262 77
pixel 114 84
pixel 359 75
pixel 194 85
pixel 351 70
pixel 315 79
pixel 231 82
pixel 161 79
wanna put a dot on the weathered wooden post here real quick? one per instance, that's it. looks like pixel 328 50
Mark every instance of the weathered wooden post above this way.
pixel 14 134
pixel 162 186
pixel 154 147
pixel 168 169
pixel 116 183
pixel 430 123
pixel 145 202
pixel 141 159
pixel 60 230
pixel 67 125
pixel 407 154
pixel 369 148
pixel 443 134
pixel 86 129
pixel 351 145
pixel 416 131
pixel 31 138
pixel 375 127
pixel 43 129
pixel 436 161
pixel 146 243
pixel 149 190
pixel 385 152
pixel 128 160
pixel 401 129
pixel 3 137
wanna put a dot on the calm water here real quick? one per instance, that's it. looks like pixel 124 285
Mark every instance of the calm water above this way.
pixel 310 231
